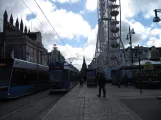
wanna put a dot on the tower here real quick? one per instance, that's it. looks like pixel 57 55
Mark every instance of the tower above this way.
pixel 21 25
pixel 17 24
pixel 25 29
pixel 5 20
pixel 84 68
pixel 11 19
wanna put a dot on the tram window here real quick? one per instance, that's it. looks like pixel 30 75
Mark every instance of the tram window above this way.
pixel 65 75
pixel 43 76
pixel 5 74
pixel 71 75
pixel 18 77
pixel 56 75
pixel 31 76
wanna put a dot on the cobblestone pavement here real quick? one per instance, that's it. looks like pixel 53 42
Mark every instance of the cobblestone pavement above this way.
pixel 82 103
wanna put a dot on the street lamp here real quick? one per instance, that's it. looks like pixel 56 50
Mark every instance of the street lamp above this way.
pixel 156 18
pixel 129 36
pixel 137 55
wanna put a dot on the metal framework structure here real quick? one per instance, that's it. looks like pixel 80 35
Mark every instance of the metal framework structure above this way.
pixel 109 42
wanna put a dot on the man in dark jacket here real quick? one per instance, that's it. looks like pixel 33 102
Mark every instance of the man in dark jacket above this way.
pixel 101 83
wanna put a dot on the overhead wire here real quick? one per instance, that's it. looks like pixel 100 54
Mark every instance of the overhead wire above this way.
pixel 51 24
pixel 39 20
pixel 43 24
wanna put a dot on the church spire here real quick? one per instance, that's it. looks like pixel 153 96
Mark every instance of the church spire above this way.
pixel 84 59
pixel 17 23
pixel 84 67
pixel 11 19
pixel 21 25
pixel 5 16
pixel 25 29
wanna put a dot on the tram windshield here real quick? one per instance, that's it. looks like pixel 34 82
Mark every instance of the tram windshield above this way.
pixel 5 73
pixel 56 76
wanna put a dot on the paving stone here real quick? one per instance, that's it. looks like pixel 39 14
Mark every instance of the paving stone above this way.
pixel 82 103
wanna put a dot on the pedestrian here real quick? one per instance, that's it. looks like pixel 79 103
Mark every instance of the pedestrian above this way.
pixel 101 83
pixel 118 78
pixel 81 81
pixel 126 80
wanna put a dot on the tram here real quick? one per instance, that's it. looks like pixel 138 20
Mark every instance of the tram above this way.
pixel 91 77
pixel 63 76
pixel 19 77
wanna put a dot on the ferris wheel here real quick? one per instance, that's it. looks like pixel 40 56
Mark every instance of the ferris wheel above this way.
pixel 109 41
pixel 114 32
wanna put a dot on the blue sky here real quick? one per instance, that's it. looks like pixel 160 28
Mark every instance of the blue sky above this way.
pixel 90 17
pixel 87 31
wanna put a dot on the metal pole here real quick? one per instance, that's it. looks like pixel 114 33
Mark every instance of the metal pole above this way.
pixel 4 49
pixel 131 48
pixel 37 64
pixel 140 76
pixel 155 13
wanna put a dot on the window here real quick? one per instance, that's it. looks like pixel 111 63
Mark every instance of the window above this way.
pixel 5 74
pixel 5 71
pixel 56 76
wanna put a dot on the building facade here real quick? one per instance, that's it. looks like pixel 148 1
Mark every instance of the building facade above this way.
pixel 137 51
pixel 126 59
pixel 18 42
pixel 55 56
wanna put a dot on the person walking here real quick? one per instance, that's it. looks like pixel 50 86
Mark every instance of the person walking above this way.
pixel 101 83
pixel 81 82
pixel 118 78
pixel 126 80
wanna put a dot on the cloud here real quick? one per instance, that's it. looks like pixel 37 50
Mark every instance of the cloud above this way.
pixel 91 5
pixel 153 41
pixel 69 25
pixel 155 32
pixel 72 26
pixel 131 8
pixel 141 32
pixel 93 36
pixel 78 52
pixel 66 1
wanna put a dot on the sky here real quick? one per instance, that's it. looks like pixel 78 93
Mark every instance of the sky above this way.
pixel 75 22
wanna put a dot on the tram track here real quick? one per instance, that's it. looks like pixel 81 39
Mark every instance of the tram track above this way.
pixel 34 110
pixel 45 110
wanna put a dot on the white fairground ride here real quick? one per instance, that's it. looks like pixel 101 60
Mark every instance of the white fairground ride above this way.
pixel 109 43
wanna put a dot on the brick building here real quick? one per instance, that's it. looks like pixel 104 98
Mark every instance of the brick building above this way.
pixel 18 42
